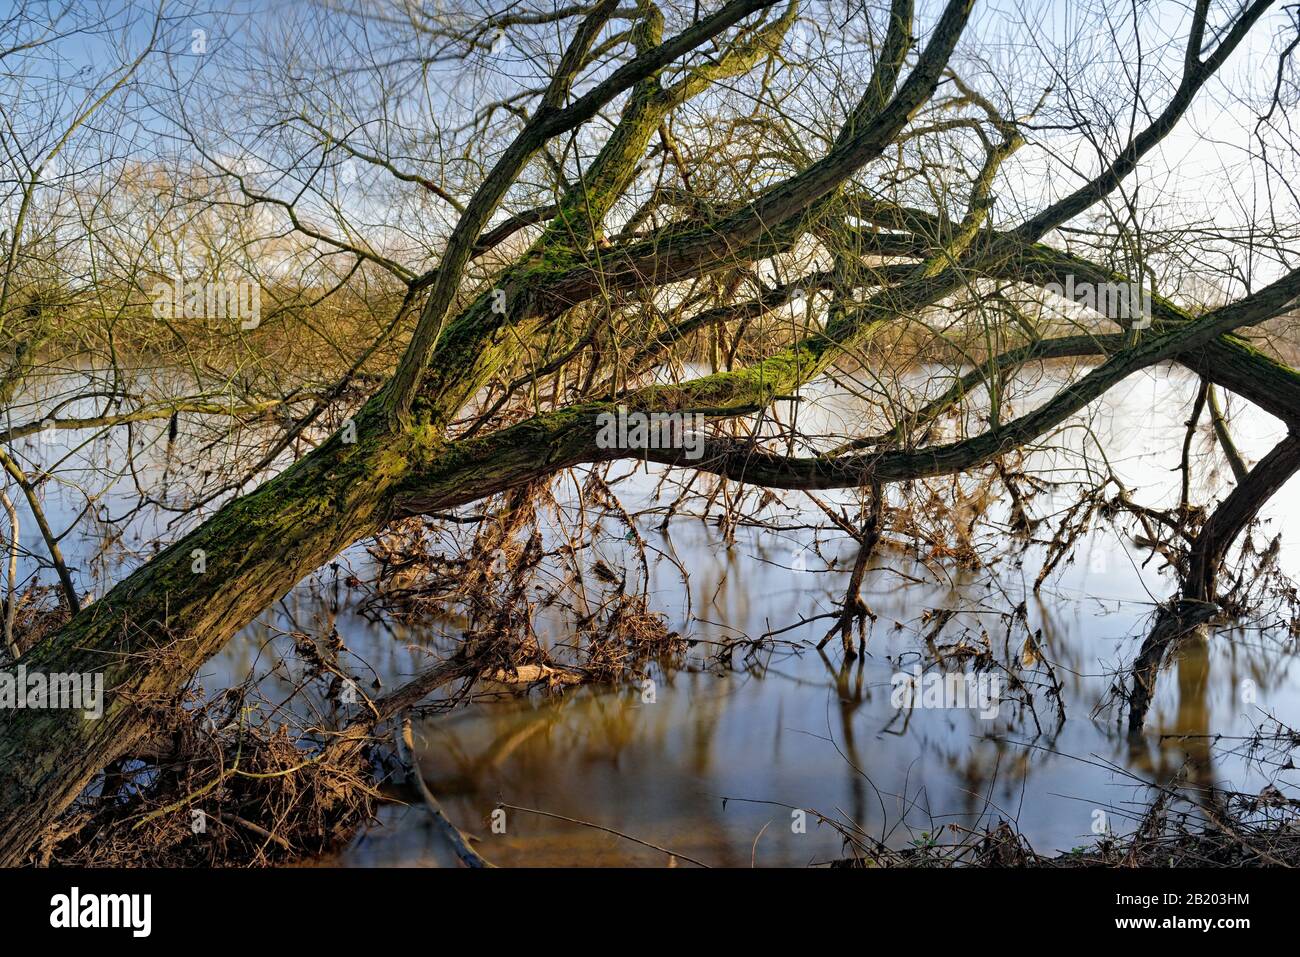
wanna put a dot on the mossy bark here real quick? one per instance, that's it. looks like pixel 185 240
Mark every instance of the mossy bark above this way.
pixel 152 631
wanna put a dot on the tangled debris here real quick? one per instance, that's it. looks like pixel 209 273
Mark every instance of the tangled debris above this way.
pixel 226 791
pixel 241 780
pixel 1250 831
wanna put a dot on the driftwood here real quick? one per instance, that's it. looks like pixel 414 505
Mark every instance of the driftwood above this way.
pixel 459 842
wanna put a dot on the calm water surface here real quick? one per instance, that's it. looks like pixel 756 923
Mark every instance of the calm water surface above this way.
pixel 711 767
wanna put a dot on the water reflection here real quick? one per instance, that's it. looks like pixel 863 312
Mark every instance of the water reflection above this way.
pixel 714 765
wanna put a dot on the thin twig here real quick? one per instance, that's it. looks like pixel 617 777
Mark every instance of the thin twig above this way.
pixel 607 830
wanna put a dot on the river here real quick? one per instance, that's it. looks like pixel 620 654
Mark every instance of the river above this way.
pixel 713 762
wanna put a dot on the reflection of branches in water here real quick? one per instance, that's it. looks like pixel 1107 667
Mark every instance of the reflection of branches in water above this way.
pixel 1180 823
pixel 544 581
pixel 521 583
pixel 1271 747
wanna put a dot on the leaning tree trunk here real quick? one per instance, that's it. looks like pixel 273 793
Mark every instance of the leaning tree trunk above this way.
pixel 1236 512
pixel 150 634
pixel 152 631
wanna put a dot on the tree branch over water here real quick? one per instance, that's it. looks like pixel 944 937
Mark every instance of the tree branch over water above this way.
pixel 713 224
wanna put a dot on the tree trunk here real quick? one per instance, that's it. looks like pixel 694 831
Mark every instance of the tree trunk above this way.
pixel 1236 512
pixel 1196 606
pixel 152 631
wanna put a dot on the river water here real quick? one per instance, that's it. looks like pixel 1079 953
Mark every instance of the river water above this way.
pixel 712 762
